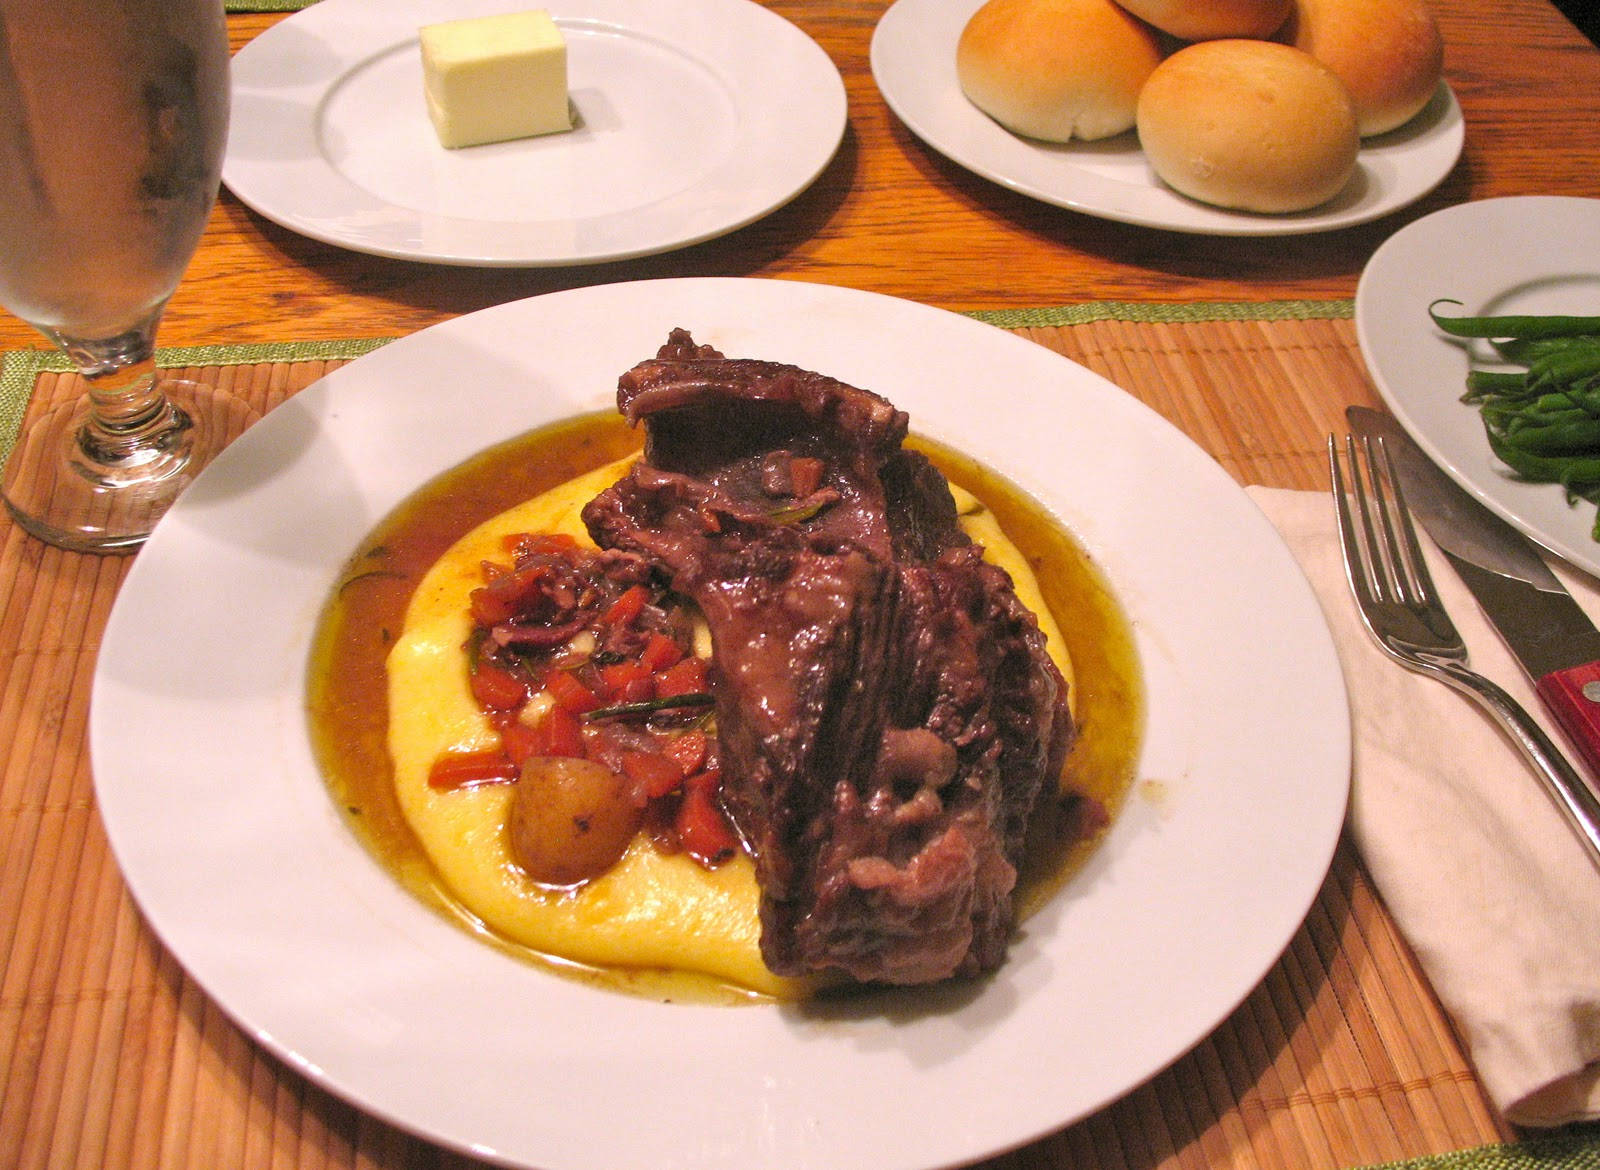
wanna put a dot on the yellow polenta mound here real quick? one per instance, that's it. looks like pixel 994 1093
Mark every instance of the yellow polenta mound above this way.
pixel 651 910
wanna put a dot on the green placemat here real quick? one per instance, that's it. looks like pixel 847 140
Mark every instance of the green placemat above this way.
pixel 20 369
pixel 266 5
pixel 1573 1148
pixel 1166 313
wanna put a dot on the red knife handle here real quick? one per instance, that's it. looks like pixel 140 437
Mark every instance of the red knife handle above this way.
pixel 1573 697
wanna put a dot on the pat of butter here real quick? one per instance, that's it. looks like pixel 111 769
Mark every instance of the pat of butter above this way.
pixel 490 78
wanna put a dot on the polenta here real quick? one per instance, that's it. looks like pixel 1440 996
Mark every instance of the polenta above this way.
pixel 651 910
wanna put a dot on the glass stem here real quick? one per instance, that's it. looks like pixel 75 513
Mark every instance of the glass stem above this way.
pixel 129 418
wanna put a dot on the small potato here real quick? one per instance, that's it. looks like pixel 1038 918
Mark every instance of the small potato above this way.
pixel 570 820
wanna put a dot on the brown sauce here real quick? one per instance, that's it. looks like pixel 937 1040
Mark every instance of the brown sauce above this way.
pixel 347 689
pixel 1108 698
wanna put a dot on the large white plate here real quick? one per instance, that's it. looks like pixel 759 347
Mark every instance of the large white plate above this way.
pixel 1526 254
pixel 914 64
pixel 235 853
pixel 696 117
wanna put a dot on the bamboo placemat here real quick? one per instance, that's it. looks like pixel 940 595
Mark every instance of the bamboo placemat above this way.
pixel 112 1057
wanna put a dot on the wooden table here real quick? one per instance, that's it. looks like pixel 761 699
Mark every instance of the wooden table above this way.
pixel 890 215
pixel 111 1056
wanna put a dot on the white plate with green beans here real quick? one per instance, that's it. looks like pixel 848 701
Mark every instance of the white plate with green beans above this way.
pixel 1480 325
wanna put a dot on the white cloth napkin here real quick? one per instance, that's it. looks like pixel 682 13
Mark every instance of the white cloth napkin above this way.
pixel 1478 867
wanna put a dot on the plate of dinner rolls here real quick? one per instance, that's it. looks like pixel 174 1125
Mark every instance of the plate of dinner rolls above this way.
pixel 1219 117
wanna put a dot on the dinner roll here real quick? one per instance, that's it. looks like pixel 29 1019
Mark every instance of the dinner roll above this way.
pixel 1056 69
pixel 1210 20
pixel 1250 125
pixel 1387 52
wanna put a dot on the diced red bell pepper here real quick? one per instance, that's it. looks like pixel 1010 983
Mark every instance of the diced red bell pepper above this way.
pixel 625 678
pixel 656 775
pixel 561 734
pixel 625 608
pixel 642 690
pixel 497 688
pixel 490 608
pixel 659 652
pixel 503 597
pixel 521 742
pixel 685 677
pixel 468 769
pixel 570 694
pixel 702 829
pixel 688 751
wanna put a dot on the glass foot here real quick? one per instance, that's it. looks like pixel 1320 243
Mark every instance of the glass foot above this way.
pixel 61 495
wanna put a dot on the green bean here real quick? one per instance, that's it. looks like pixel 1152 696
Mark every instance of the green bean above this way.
pixel 1485 382
pixel 1511 420
pixel 1528 349
pixel 1574 434
pixel 1542 421
pixel 1542 397
pixel 1566 470
pixel 1569 365
pixel 1522 327
pixel 1559 438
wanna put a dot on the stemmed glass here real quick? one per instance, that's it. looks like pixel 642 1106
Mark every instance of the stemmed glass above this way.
pixel 113 118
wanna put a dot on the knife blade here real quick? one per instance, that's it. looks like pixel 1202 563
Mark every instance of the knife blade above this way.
pixel 1547 632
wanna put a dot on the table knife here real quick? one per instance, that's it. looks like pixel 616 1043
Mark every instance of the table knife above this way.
pixel 1550 636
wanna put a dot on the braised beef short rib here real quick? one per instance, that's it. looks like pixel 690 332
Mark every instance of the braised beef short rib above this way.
pixel 885 706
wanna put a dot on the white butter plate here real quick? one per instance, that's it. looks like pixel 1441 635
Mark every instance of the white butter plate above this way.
pixel 1522 254
pixel 914 64
pixel 695 117
pixel 232 847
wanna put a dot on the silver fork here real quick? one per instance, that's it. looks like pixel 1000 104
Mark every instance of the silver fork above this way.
pixel 1402 611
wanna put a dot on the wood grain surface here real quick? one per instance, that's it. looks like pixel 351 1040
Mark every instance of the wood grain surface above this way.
pixel 891 215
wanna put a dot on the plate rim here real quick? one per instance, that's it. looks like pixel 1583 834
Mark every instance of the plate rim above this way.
pixel 825 119
pixel 1473 466
pixel 338 401
pixel 1185 216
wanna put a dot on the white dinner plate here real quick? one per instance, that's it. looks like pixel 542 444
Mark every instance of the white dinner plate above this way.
pixel 1524 254
pixel 914 64
pixel 695 117
pixel 234 851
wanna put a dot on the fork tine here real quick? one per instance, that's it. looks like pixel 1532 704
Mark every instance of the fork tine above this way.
pixel 1377 515
pixel 1357 564
pixel 1372 507
pixel 1412 576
